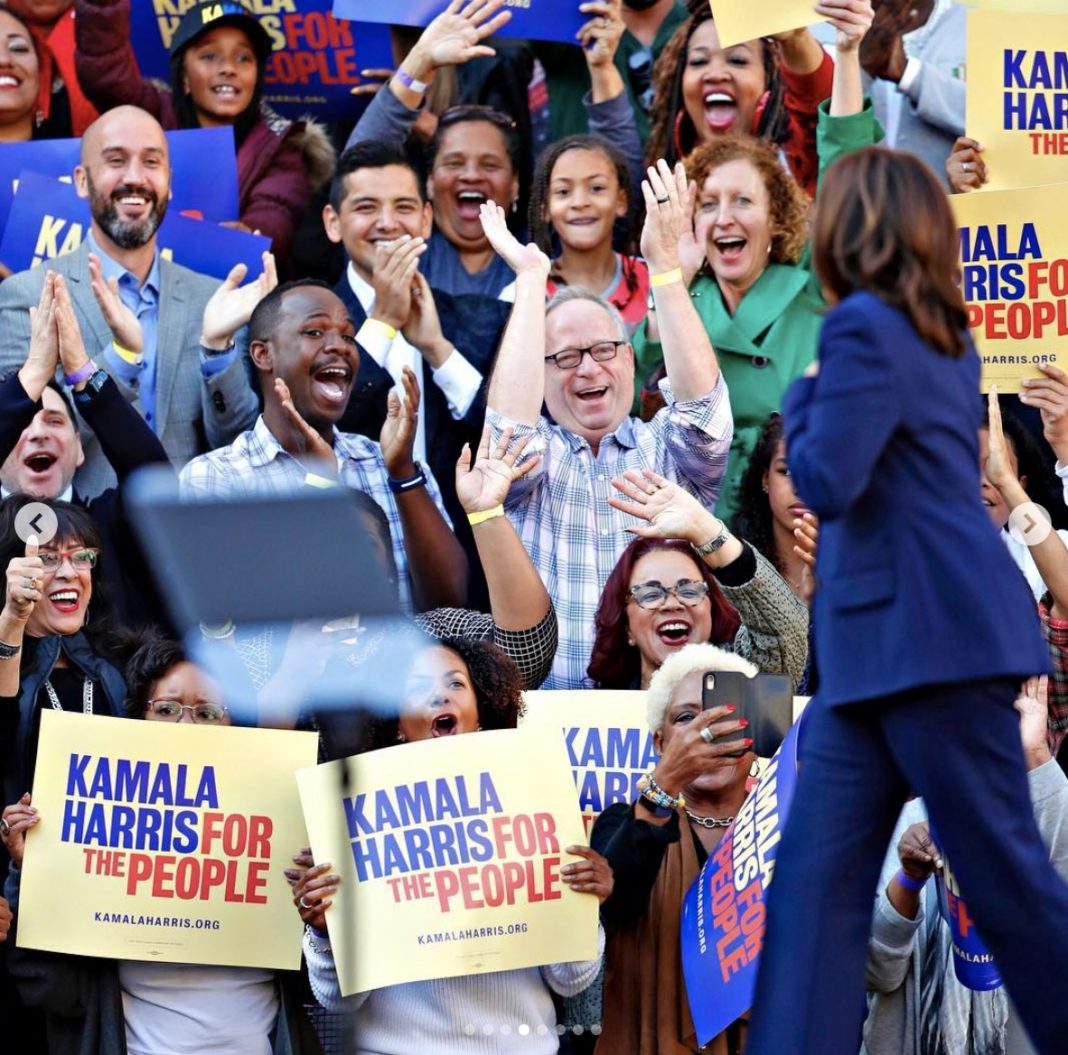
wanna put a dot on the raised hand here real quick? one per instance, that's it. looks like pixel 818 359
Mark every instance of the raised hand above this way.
pixel 231 305
pixel 485 484
pixel 395 267
pixel 965 168
pixel 123 323
pixel 670 512
pixel 397 438
pixel 520 258
pixel 456 35
pixel 71 346
pixel 313 891
pixel 998 468
pixel 1033 707
pixel 852 19
pixel 600 36
pixel 668 202
pixel 43 358
pixel 807 533
pixel 17 819
pixel 315 447
pixel 25 579
pixel 1050 395
pixel 423 328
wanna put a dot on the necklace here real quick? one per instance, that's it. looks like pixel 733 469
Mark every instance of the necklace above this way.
pixel 87 696
pixel 710 822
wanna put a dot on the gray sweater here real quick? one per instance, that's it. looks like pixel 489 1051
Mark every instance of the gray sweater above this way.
pixel 898 945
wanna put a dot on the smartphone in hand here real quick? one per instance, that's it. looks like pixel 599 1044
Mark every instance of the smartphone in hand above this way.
pixel 766 700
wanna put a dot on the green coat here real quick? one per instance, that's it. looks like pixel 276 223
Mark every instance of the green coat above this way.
pixel 773 335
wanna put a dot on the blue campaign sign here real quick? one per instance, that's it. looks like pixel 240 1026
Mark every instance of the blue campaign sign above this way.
pixel 47 219
pixel 722 929
pixel 531 19
pixel 317 60
pixel 209 191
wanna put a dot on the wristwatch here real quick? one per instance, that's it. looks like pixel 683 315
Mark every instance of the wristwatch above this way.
pixel 92 387
pixel 713 544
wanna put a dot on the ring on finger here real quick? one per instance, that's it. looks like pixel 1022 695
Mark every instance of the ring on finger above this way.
pixel 708 736
pixel 965 166
pixel 661 201
pixel 304 903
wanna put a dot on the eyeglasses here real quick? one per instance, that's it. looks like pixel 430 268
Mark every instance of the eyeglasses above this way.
pixel 172 711
pixel 601 352
pixel 83 559
pixel 653 594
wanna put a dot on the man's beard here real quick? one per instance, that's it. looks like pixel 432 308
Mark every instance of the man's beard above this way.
pixel 126 234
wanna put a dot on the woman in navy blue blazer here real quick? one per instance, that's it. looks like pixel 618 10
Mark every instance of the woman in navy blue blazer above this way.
pixel 924 628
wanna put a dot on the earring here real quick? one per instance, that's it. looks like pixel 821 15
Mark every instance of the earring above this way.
pixel 764 488
pixel 400 737
pixel 515 206
pixel 630 641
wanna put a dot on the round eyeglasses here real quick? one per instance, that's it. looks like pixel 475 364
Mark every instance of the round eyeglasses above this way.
pixel 653 594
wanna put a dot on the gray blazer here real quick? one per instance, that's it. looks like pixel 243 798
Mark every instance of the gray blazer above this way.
pixel 932 115
pixel 193 415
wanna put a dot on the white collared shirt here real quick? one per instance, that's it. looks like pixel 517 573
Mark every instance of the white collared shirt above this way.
pixel 456 377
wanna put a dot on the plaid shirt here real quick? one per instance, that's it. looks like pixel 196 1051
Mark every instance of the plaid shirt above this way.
pixel 561 511
pixel 256 464
pixel 1056 634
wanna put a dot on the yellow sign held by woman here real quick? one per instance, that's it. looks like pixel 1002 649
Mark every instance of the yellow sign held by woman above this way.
pixel 740 20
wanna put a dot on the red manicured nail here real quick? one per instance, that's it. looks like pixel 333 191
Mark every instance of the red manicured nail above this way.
pixel 744 723
pixel 730 708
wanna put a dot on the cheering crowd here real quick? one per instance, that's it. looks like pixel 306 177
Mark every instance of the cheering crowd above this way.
pixel 539 308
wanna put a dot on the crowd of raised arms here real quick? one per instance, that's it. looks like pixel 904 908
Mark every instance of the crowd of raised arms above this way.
pixel 538 305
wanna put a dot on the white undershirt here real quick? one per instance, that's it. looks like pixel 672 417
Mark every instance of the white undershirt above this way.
pixel 456 377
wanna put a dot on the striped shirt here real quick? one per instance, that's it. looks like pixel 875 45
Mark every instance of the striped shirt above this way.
pixel 561 512
pixel 256 464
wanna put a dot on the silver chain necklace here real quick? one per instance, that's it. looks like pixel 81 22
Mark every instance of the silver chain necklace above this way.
pixel 710 822
pixel 87 696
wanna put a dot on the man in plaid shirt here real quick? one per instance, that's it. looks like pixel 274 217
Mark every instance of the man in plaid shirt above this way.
pixel 303 343
pixel 574 355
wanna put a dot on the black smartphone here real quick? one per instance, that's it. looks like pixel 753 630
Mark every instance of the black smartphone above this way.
pixel 766 700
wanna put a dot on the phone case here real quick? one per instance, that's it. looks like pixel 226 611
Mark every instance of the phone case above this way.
pixel 766 700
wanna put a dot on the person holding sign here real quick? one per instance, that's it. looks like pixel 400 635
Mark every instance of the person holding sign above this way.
pixel 107 1006
pixel 767 88
pixel 54 652
pixel 455 687
pixel 665 593
pixel 656 847
pixel 915 989
pixel 747 263
pixel 219 52
pixel 920 659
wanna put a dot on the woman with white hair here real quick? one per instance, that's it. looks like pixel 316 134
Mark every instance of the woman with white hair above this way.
pixel 656 847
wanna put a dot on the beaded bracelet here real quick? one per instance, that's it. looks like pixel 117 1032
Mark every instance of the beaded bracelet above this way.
pixel 652 791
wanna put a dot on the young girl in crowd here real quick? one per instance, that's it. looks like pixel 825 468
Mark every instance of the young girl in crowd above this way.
pixel 581 189
pixel 219 53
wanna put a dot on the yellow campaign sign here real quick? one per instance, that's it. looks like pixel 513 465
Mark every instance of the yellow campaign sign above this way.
pixel 740 20
pixel 608 741
pixel 1017 7
pixel 1014 264
pixel 449 852
pixel 1017 96
pixel 164 842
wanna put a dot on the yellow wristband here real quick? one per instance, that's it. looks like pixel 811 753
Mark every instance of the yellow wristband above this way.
pixel 485 514
pixel 383 328
pixel 665 278
pixel 133 358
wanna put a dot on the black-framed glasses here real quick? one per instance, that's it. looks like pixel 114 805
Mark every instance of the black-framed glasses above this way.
pixel 653 594
pixel 599 352
pixel 172 711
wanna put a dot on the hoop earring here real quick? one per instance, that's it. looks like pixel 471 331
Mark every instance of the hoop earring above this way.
pixel 677 134
pixel 758 113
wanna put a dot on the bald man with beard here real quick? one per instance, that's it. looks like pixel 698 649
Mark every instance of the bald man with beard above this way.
pixel 142 317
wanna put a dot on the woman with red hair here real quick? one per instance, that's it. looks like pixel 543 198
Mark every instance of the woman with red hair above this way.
pixel 686 579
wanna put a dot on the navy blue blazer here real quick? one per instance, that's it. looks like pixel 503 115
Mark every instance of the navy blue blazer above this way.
pixel 915 586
